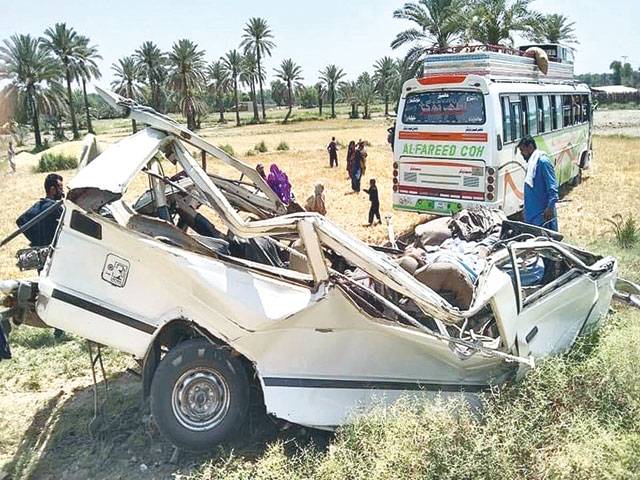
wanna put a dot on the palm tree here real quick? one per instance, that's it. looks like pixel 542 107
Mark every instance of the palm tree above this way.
pixel 616 68
pixel 289 73
pixel 153 63
pixel 405 69
pixel 32 75
pixel 85 69
pixel 218 85
pixel 63 43
pixel 494 22
pixel 349 94
pixel 365 93
pixel 187 77
pixel 331 77
pixel 438 24
pixel 384 77
pixel 257 40
pixel 554 28
pixel 248 75
pixel 128 78
pixel 232 62
pixel 320 91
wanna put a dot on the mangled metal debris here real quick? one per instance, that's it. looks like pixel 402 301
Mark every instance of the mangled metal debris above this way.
pixel 325 325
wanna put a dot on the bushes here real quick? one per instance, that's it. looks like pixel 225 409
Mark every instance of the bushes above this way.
pixel 626 231
pixel 282 146
pixel 54 162
pixel 228 149
pixel 261 147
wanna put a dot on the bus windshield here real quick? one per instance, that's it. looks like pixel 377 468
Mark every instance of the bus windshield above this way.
pixel 444 108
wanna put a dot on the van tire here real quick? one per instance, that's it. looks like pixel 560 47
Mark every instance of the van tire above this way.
pixel 199 395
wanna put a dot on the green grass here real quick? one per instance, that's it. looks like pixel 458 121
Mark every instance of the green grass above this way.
pixel 576 416
pixel 282 146
pixel 261 147
pixel 55 162
pixel 227 149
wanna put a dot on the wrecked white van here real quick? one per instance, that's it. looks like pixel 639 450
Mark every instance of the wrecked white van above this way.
pixel 321 323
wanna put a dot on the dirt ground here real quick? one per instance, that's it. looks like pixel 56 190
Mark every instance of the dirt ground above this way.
pixel 46 428
pixel 617 122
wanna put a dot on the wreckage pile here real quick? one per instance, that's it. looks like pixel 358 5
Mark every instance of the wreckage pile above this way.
pixel 449 253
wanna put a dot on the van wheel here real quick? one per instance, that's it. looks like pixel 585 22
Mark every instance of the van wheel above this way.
pixel 199 395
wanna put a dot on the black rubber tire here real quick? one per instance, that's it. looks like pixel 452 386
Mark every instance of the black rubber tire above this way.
pixel 190 356
pixel 577 180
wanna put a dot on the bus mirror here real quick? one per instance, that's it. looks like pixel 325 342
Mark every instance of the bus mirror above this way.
pixel 499 142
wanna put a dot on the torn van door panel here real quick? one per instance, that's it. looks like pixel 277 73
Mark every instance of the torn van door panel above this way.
pixel 208 279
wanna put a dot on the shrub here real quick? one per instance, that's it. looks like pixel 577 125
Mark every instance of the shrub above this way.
pixel 228 149
pixel 53 162
pixel 261 147
pixel 626 231
pixel 282 146
pixel 250 153
pixel 21 134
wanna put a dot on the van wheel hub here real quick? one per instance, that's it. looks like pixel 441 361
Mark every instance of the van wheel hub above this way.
pixel 200 399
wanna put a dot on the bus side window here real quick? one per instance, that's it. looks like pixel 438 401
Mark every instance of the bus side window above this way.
pixel 546 112
pixel 577 109
pixel 586 109
pixel 506 120
pixel 524 117
pixel 559 115
pixel 532 110
pixel 554 112
pixel 540 113
pixel 516 121
pixel 567 111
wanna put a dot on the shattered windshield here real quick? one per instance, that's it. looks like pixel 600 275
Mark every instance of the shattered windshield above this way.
pixel 444 108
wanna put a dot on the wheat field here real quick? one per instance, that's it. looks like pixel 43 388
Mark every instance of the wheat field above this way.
pixel 611 186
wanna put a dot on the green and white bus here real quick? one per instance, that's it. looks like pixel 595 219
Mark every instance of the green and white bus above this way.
pixel 456 135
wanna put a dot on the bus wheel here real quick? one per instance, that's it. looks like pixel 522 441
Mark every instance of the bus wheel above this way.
pixel 577 180
pixel 199 395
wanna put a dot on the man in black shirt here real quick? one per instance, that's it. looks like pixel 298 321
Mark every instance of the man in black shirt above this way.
pixel 374 210
pixel 41 234
pixel 332 148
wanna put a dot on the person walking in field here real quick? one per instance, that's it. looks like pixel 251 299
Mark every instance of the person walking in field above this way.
pixel 351 151
pixel 357 169
pixel 540 186
pixel 374 209
pixel 332 148
pixel 11 153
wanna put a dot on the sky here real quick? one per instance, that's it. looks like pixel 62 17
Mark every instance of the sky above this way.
pixel 350 33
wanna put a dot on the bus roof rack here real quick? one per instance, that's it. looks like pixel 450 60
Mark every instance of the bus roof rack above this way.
pixel 495 62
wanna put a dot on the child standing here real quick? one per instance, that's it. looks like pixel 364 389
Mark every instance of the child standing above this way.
pixel 374 210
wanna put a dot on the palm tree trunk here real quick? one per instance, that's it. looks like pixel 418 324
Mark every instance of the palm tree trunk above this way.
pixel 235 94
pixel 74 125
pixel 134 126
pixel 354 111
pixel 221 108
pixel 319 105
pixel 254 100
pixel 286 118
pixel 34 118
pixel 264 114
pixel 333 103
pixel 386 105
pixel 86 106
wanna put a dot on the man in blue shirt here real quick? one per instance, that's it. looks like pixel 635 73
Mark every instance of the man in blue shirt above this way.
pixel 540 186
